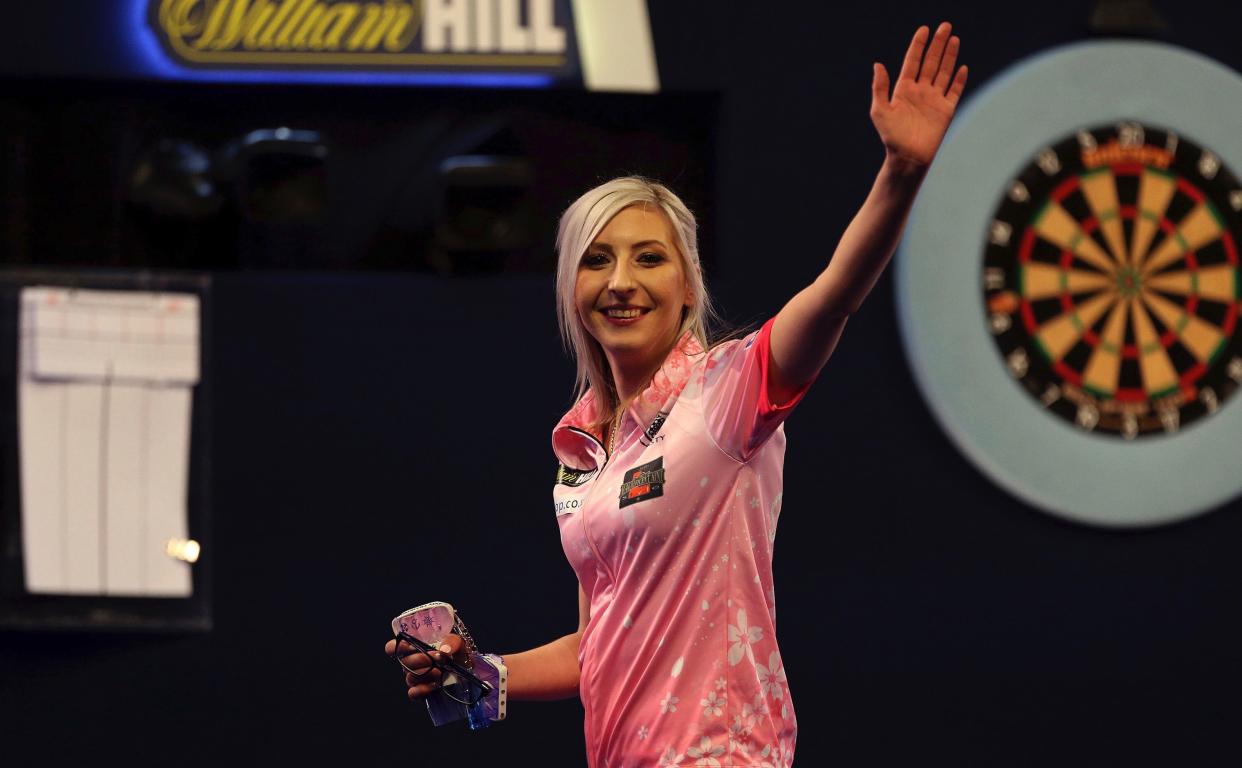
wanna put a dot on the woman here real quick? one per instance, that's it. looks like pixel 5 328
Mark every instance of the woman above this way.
pixel 670 481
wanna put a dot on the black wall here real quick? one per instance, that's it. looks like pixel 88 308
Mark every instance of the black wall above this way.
pixel 381 439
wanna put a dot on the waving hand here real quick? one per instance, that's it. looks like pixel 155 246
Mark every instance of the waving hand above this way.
pixel 913 122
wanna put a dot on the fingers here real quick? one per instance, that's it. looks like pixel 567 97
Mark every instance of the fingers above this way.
pixel 914 55
pixel 455 645
pixel 421 690
pixel 879 86
pixel 931 64
pixel 448 646
pixel 391 646
pixel 422 678
pixel 959 85
pixel 412 658
pixel 432 678
pixel 947 63
pixel 416 661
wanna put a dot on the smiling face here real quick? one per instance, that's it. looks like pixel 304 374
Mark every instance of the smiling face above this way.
pixel 631 290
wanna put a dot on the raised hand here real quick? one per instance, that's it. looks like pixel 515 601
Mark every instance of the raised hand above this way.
pixel 913 122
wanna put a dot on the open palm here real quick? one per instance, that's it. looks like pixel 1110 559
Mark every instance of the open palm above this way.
pixel 913 122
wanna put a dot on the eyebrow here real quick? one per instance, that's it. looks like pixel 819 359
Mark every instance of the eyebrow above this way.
pixel 639 244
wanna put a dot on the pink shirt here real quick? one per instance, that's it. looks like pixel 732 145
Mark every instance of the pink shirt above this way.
pixel 671 539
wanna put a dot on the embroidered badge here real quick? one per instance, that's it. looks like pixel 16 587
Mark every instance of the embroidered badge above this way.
pixel 643 482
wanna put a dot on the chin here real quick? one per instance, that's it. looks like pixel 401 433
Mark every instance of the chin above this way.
pixel 637 345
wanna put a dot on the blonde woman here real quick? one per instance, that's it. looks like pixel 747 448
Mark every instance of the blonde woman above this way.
pixel 671 459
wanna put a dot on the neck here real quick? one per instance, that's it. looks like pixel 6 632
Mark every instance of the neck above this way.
pixel 630 382
pixel 631 377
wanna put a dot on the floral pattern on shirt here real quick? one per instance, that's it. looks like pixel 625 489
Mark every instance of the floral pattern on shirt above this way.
pixel 713 705
pixel 679 662
pixel 772 677
pixel 705 753
pixel 743 637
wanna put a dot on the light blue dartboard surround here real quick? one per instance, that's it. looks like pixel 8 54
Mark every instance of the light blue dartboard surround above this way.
pixel 1094 479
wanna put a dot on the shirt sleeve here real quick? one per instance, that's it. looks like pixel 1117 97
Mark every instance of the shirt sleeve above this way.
pixel 739 414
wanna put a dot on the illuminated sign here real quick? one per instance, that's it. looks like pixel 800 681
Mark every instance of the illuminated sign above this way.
pixel 380 35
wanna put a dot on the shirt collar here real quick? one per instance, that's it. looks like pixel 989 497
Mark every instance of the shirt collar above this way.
pixel 574 443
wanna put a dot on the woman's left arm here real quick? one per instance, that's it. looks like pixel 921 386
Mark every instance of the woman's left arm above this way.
pixel 911 125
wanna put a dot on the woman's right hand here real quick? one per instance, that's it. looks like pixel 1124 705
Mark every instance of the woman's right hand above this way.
pixel 424 679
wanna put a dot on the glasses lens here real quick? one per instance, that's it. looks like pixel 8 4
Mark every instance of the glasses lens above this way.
pixel 463 691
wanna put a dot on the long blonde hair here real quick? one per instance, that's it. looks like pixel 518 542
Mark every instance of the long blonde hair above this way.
pixel 580 225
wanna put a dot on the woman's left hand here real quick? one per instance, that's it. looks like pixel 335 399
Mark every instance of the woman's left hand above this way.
pixel 913 122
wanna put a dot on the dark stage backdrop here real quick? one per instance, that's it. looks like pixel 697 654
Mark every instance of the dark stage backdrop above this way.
pixel 381 439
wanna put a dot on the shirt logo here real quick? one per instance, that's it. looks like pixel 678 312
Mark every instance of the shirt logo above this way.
pixel 643 482
pixel 653 430
pixel 573 477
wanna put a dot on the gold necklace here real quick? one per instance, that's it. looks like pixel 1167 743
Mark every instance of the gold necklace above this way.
pixel 613 429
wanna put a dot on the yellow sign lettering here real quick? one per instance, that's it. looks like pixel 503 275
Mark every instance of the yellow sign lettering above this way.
pixel 376 32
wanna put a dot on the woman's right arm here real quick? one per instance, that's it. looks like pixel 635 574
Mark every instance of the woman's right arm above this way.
pixel 550 671
pixel 545 673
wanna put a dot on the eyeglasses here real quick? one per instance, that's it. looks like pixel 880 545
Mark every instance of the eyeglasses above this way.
pixel 463 686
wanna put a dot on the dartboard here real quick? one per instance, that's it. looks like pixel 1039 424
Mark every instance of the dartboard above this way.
pixel 1068 289
pixel 1110 277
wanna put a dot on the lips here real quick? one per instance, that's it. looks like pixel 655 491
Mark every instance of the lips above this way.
pixel 623 314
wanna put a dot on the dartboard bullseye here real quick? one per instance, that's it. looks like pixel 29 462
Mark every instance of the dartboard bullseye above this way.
pixel 1111 280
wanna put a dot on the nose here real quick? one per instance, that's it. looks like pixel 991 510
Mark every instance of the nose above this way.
pixel 622 278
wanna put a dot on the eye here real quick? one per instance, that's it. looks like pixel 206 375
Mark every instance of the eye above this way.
pixel 650 257
pixel 594 260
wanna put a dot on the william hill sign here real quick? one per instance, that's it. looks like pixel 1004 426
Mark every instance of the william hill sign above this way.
pixel 382 34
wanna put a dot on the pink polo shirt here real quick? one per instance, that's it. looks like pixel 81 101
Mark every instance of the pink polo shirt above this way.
pixel 671 539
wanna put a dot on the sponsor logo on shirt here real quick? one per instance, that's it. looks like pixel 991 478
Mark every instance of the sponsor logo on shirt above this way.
pixel 651 435
pixel 566 506
pixel 573 477
pixel 643 482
